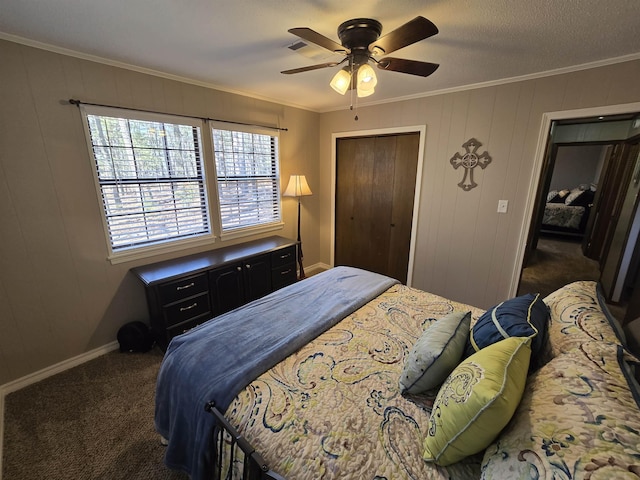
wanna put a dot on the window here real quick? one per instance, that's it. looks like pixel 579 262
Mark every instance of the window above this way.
pixel 248 179
pixel 149 173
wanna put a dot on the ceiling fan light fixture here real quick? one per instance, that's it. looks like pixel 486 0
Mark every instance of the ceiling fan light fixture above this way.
pixel 341 81
pixel 367 80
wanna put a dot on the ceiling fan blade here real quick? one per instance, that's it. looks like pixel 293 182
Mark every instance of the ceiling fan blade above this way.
pixel 412 67
pixel 311 67
pixel 319 39
pixel 411 32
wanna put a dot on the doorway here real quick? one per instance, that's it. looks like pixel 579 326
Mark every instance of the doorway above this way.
pixel 376 187
pixel 594 182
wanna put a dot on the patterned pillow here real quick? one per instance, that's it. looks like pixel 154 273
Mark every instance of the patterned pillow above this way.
pixel 523 316
pixel 476 401
pixel 578 315
pixel 573 196
pixel 436 353
pixel 578 418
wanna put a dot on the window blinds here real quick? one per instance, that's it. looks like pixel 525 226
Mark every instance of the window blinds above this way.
pixel 151 180
pixel 247 175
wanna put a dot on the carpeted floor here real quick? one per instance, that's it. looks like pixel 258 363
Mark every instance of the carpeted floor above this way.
pixel 94 421
pixel 556 262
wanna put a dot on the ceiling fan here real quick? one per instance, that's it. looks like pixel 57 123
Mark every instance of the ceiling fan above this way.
pixel 361 43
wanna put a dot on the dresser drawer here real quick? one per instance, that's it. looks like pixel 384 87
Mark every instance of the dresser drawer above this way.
pixel 283 276
pixel 184 327
pixel 283 256
pixel 185 287
pixel 187 309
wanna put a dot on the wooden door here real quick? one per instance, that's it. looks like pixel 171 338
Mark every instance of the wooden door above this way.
pixel 613 189
pixel 537 215
pixel 375 186
pixel 226 288
pixel 257 277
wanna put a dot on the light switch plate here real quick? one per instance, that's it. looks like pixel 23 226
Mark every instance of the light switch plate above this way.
pixel 503 205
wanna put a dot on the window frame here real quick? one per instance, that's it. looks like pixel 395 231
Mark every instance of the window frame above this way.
pixel 133 252
pixel 243 231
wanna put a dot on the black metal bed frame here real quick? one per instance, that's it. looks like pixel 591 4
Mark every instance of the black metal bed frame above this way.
pixel 233 457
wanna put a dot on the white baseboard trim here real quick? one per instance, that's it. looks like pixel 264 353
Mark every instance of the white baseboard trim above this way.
pixel 46 373
pixel 57 368
pixel 317 268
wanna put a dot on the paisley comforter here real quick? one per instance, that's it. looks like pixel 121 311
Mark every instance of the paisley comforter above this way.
pixel 561 215
pixel 334 410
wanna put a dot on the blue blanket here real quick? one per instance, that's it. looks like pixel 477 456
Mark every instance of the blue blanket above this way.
pixel 216 360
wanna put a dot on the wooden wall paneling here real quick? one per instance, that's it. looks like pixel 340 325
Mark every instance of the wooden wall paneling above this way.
pixel 595 87
pixel 13 348
pixel 100 83
pixel 22 157
pixel 82 210
pixel 435 165
pixel 171 96
pixel 521 96
pixel 620 88
pixel 470 204
pixel 487 222
pixel 593 81
pixel 73 77
pixel 157 94
pixel 194 100
pixel 127 93
pixel 59 282
pixel 449 241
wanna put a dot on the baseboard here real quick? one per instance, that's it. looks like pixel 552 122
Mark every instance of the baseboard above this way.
pixel 47 372
pixel 57 368
pixel 316 268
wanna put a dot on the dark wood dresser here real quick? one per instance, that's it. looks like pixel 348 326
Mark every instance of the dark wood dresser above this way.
pixel 187 291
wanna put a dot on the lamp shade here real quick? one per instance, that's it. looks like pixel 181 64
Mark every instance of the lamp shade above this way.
pixel 341 80
pixel 297 187
pixel 367 80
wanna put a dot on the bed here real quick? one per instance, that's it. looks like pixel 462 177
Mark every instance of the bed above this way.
pixel 330 404
pixel 567 211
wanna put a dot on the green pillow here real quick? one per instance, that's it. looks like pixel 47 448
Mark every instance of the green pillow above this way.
pixel 477 400
pixel 436 353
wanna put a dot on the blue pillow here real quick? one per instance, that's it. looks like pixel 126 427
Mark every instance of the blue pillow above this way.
pixel 523 316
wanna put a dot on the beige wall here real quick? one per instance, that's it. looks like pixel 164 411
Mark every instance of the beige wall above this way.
pixel 59 296
pixel 465 250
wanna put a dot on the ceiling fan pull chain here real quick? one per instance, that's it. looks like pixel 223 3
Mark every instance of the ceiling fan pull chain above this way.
pixel 351 90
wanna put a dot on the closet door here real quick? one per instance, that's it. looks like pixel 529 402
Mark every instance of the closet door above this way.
pixel 375 185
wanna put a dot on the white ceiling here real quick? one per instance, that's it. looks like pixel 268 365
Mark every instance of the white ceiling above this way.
pixel 241 45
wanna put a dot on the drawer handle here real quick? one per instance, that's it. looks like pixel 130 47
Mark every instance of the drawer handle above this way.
pixel 285 256
pixel 182 287
pixel 285 272
pixel 184 309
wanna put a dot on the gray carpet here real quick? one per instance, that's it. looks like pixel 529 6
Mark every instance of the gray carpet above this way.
pixel 556 262
pixel 94 421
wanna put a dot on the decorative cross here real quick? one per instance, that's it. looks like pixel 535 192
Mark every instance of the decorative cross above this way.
pixel 469 161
